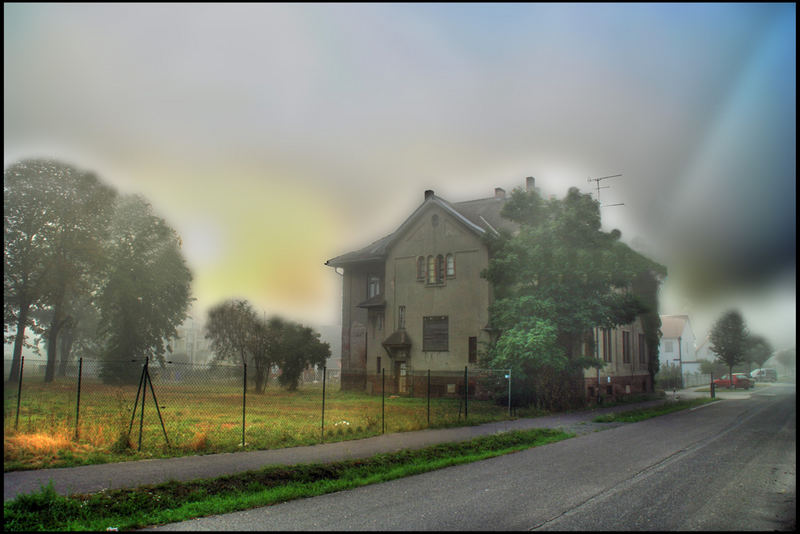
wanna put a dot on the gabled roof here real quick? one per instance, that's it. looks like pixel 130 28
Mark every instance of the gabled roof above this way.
pixel 478 216
pixel 672 325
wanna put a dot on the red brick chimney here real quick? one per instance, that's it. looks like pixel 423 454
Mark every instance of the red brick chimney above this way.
pixel 428 194
pixel 530 183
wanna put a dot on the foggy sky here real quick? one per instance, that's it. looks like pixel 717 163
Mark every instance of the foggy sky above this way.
pixel 275 136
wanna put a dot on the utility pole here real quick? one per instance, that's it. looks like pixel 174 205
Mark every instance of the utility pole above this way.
pixel 599 187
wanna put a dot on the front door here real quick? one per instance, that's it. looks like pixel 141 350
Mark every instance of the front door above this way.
pixel 401 372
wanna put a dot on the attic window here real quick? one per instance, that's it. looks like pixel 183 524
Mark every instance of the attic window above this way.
pixel 431 270
pixel 451 266
pixel 439 269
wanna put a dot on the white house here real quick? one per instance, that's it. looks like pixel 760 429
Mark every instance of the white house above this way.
pixel 677 347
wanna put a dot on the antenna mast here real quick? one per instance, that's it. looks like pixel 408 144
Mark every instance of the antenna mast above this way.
pixel 599 187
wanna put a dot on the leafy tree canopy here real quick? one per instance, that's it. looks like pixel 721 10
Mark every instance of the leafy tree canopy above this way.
pixel 55 220
pixel 147 289
pixel 237 332
pixel 559 277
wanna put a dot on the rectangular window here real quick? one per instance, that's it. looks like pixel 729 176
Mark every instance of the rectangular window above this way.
pixel 451 266
pixel 378 367
pixel 373 286
pixel 435 332
pixel 421 268
pixel 473 350
pixel 626 347
pixel 668 346
pixel 642 349
pixel 401 317
pixel 606 344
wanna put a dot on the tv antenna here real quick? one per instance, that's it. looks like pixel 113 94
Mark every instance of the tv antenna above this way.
pixel 599 187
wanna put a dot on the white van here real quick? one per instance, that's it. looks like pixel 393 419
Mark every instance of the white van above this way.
pixel 764 375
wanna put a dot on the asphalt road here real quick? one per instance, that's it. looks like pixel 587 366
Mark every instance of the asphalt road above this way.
pixel 725 466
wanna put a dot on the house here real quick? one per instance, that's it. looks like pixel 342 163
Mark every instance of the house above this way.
pixel 677 346
pixel 415 300
pixel 704 351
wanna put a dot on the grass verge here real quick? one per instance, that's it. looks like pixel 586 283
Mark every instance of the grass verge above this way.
pixel 632 416
pixel 178 501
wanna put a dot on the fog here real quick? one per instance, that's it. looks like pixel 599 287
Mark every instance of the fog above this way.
pixel 275 136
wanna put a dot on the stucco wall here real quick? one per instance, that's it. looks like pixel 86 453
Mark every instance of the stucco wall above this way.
pixel 464 299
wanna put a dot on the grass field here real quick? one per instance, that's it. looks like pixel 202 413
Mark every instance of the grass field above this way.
pixel 202 418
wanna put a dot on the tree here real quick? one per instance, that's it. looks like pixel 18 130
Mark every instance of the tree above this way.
pixel 758 351
pixel 26 226
pixel 299 348
pixel 55 218
pixel 236 331
pixel 147 290
pixel 554 281
pixel 729 339
pixel 228 327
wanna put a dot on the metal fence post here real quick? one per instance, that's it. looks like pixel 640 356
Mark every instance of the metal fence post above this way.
pixel 78 402
pixel 19 389
pixel 383 400
pixel 244 398
pixel 429 397
pixel 322 432
pixel 466 391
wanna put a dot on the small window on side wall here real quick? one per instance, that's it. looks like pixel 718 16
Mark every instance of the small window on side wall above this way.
pixel 431 270
pixel 439 269
pixel 421 268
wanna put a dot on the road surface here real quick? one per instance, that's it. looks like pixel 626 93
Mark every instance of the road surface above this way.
pixel 730 465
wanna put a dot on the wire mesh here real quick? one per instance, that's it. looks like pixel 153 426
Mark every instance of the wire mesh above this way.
pixel 203 407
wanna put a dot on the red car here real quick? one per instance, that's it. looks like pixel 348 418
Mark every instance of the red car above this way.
pixel 740 381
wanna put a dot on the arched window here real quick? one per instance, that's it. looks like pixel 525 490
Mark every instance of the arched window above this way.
pixel 421 268
pixel 439 269
pixel 451 266
pixel 431 270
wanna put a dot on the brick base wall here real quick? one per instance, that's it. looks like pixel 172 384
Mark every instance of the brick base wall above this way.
pixel 619 387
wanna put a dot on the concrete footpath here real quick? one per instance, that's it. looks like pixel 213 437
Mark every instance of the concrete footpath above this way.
pixel 94 478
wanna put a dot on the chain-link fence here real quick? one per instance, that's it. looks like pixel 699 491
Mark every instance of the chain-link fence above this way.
pixel 223 407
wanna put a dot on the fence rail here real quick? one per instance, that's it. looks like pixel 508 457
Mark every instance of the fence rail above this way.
pixel 218 406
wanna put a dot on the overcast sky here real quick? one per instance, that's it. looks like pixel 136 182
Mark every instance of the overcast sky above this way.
pixel 273 137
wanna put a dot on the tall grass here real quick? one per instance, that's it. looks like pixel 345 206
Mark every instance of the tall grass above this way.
pixel 207 419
